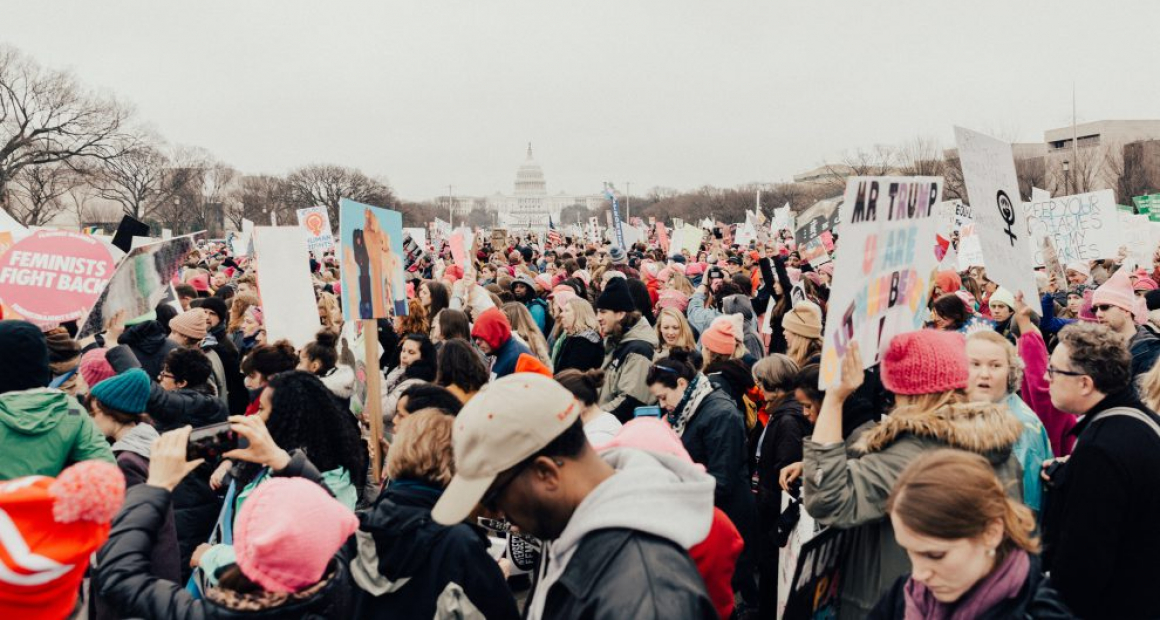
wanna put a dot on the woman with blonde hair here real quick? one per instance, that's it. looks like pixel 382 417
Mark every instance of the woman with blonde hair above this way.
pixel 803 333
pixel 679 282
pixel 578 345
pixel 673 332
pixel 419 466
pixel 329 312
pixel 971 546
pixel 523 324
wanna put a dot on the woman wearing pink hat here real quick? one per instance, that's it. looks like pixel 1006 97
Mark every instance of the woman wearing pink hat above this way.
pixel 927 371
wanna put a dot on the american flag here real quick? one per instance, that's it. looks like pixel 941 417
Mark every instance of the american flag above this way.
pixel 554 235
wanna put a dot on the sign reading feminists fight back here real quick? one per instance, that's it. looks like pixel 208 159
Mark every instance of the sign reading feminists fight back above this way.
pixel 989 172
pixel 882 275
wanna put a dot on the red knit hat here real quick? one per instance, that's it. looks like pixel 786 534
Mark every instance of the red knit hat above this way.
pixel 925 362
pixel 52 528
pixel 493 328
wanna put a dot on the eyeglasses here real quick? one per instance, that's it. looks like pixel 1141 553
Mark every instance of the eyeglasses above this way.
pixel 497 488
pixel 164 374
pixel 1052 371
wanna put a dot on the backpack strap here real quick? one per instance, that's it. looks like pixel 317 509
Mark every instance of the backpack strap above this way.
pixel 1133 413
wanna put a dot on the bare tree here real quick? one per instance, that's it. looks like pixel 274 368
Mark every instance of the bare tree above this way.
pixel 39 191
pixel 325 185
pixel 254 197
pixel 1032 173
pixel 921 157
pixel 134 180
pixel 1130 170
pixel 46 117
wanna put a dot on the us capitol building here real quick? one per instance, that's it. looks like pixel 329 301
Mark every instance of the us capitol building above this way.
pixel 529 205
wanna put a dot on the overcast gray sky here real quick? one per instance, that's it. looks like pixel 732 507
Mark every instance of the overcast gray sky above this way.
pixel 658 93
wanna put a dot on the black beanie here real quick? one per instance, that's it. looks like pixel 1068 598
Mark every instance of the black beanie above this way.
pixel 24 365
pixel 1152 298
pixel 217 306
pixel 615 297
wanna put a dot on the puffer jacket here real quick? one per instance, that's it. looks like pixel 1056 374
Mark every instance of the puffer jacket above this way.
pixel 1036 600
pixel 43 430
pixel 407 566
pixel 123 576
pixel 626 364
pixel 583 351
pixel 851 493
pixel 150 344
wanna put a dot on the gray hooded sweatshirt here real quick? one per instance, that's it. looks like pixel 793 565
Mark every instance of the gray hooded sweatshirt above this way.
pixel 650 492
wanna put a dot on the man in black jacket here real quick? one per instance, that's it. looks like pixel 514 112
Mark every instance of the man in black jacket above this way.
pixel 615 543
pixel 1100 536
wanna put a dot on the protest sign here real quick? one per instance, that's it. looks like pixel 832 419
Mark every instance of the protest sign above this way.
pixel 126 230
pixel 787 560
pixel 614 215
pixel 458 248
pixel 55 276
pixel 9 224
pixel 166 233
pixel 1138 237
pixel 1051 262
pixel 813 228
pixel 663 237
pixel 1083 227
pixel 316 222
pixel 881 279
pixel 814 252
pixel 691 239
pixel 284 279
pixel 989 172
pixel 140 281
pixel 418 235
pixel 818 578
pixel 782 219
pixel 1038 195
pixel 372 262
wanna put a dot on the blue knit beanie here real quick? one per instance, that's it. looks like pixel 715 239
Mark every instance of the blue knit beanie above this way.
pixel 127 392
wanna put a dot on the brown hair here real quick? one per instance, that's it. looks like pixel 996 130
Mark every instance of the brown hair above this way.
pixel 422 448
pixel 238 307
pixel 415 321
pixel 584 384
pixel 1099 353
pixel 952 494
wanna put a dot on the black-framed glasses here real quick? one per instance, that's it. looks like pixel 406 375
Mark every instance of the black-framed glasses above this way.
pixel 1102 308
pixel 1052 371
pixel 164 374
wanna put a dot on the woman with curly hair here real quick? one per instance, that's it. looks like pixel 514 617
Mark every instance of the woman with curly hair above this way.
pixel 242 302
pixel 415 321
pixel 329 311
pixel 300 414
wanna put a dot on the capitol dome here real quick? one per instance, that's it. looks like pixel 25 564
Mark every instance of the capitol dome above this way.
pixel 530 177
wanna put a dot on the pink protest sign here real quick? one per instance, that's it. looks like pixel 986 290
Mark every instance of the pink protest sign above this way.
pixel 54 276
pixel 458 252
pixel 827 240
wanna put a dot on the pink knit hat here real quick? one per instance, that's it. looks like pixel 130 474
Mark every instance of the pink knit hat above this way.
pixel 1144 283
pixel 925 362
pixel 200 283
pixel 94 368
pixel 1117 291
pixel 672 298
pixel 719 337
pixel 287 533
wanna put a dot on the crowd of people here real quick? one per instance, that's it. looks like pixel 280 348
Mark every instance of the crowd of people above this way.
pixel 582 430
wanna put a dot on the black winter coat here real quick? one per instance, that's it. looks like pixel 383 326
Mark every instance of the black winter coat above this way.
pixel 1035 601
pixel 582 352
pixel 123 577
pixel 715 437
pixel 407 566
pixel 150 344
pixel 781 445
pixel 1100 536
pixel 622 573
pixel 239 396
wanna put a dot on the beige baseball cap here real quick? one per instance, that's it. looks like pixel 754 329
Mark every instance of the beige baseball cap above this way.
pixel 508 421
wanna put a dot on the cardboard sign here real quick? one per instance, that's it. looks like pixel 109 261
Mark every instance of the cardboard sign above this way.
pixel 316 222
pixel 989 172
pixel 814 252
pixel 458 249
pixel 126 230
pixel 373 284
pixel 1083 227
pixel 970 253
pixel 818 578
pixel 140 281
pixel 284 279
pixel 1138 237
pixel 813 228
pixel 783 219
pixel 882 277
pixel 54 276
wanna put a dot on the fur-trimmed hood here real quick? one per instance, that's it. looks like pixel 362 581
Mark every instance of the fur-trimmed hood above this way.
pixel 983 428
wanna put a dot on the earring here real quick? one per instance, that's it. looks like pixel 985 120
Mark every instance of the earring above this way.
pixel 990 553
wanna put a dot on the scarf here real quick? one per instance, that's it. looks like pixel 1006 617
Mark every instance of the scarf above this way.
pixel 696 392
pixel 1003 583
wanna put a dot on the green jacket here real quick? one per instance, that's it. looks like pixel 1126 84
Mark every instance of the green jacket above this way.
pixel 850 493
pixel 42 431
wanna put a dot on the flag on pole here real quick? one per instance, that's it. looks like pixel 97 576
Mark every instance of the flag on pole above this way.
pixel 553 235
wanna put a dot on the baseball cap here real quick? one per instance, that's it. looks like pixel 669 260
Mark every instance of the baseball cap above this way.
pixel 508 421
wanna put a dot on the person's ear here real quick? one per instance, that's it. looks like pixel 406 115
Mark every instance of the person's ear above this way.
pixel 993 535
pixel 180 384
pixel 546 472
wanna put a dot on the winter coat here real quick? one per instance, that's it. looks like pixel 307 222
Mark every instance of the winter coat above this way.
pixel 340 381
pixel 761 302
pixel 851 493
pixel 583 351
pixel 700 316
pixel 626 364
pixel 740 304
pixel 237 397
pixel 1032 449
pixel 1037 395
pixel 123 577
pixel 1100 539
pixel 150 344
pixel 507 355
pixel 1036 601
pixel 623 552
pixel 43 430
pixel 170 409
pixel 1145 348
pixel 780 445
pixel 407 566
pixel 132 452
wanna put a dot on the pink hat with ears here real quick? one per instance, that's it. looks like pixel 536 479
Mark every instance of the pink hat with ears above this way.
pixel 256 312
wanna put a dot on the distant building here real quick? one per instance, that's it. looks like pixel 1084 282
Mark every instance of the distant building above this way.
pixel 1095 159
pixel 826 173
pixel 530 205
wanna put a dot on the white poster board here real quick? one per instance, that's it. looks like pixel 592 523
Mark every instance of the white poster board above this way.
pixel 316 222
pixel 1083 227
pixel 989 172
pixel 882 278
pixel 284 279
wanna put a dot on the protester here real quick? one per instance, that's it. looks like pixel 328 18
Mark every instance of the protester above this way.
pixel 42 430
pixel 320 358
pixel 1099 538
pixel 927 371
pixel 262 363
pixel 599 426
pixel 528 332
pixel 416 365
pixel 147 339
pixel 629 346
pixel 673 332
pixel 492 333
pixel 64 358
pixel 449 325
pixel 407 566
pixel 460 370
pixel 427 396
pixel 523 289
pixel 972 547
pixel 216 340
pixel 803 333
pixel 519 443
pixel 1116 305
pixel 242 331
pixel 578 344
